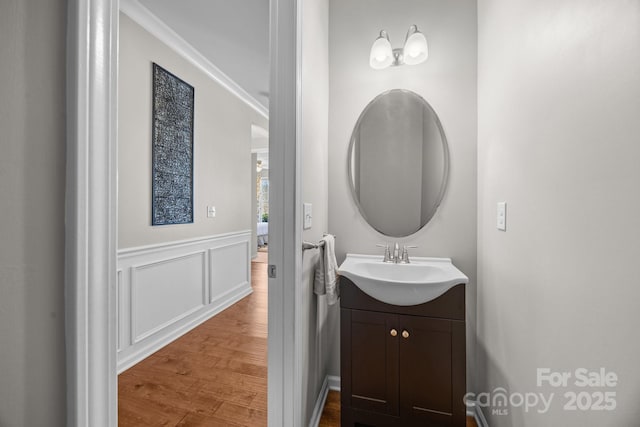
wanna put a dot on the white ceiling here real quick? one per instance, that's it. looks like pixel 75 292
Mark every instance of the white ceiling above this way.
pixel 232 34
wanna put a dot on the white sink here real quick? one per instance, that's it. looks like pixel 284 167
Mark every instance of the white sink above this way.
pixel 423 280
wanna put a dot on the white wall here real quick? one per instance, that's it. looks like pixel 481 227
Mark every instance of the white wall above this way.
pixel 32 194
pixel 222 144
pixel 314 133
pixel 447 81
pixel 559 104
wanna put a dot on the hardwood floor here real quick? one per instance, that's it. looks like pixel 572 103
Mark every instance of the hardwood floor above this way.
pixel 215 375
pixel 331 412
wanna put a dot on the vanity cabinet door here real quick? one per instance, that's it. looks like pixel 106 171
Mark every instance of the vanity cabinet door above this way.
pixel 370 361
pixel 431 365
pixel 402 366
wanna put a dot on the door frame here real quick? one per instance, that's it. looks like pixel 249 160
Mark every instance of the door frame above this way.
pixel 91 215
pixel 285 361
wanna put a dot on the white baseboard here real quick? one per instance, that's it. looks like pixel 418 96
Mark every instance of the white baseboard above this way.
pixel 475 411
pixel 334 382
pixel 319 406
pixel 142 353
pixel 330 382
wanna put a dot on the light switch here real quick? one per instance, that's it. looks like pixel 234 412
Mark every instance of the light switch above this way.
pixel 211 211
pixel 502 216
pixel 307 215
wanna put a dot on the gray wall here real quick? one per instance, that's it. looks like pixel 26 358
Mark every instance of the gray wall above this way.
pixel 314 130
pixel 559 104
pixel 32 183
pixel 447 81
pixel 222 146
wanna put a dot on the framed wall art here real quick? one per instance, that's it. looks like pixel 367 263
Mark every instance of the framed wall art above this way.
pixel 172 157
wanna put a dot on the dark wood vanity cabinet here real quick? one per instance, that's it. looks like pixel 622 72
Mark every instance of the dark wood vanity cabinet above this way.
pixel 402 366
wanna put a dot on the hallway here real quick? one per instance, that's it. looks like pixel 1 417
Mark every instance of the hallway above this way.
pixel 215 375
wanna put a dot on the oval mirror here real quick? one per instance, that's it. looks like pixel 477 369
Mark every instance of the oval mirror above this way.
pixel 398 163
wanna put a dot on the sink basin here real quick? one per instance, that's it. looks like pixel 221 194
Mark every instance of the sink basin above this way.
pixel 423 280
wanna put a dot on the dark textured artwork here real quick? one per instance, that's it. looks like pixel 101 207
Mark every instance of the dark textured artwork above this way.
pixel 172 149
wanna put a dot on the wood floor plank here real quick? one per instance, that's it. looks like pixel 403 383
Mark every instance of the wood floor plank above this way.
pixel 198 420
pixel 232 394
pixel 139 411
pixel 215 375
pixel 331 412
pixel 249 417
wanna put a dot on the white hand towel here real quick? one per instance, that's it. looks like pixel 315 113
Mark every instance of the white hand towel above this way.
pixel 318 282
pixel 326 277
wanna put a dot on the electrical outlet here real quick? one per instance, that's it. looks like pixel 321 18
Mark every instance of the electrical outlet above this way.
pixel 211 211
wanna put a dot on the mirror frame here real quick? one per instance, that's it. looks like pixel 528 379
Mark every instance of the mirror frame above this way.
pixel 445 146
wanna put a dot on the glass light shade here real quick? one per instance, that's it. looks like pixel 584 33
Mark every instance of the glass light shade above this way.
pixel 415 47
pixel 381 55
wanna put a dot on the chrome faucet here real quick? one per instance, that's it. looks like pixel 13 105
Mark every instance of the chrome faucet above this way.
pixel 404 258
pixel 387 254
pixel 396 253
pixel 397 257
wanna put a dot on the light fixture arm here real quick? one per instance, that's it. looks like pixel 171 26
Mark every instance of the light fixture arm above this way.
pixel 412 29
pixel 398 57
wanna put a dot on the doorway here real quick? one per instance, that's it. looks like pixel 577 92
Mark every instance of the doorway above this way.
pixel 186 284
pixel 91 215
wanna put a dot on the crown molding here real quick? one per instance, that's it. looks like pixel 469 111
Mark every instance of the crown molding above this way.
pixel 150 22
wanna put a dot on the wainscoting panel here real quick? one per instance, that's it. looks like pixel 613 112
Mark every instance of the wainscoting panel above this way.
pixel 225 272
pixel 165 290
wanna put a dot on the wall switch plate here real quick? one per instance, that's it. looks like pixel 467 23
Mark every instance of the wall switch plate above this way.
pixel 211 211
pixel 307 215
pixel 502 216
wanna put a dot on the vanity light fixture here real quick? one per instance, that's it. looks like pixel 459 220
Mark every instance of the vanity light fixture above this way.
pixel 415 50
pixel 381 55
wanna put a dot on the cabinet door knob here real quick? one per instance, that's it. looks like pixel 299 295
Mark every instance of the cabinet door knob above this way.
pixel 393 332
pixel 405 334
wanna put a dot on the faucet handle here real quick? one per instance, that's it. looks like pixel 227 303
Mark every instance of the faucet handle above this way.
pixel 387 252
pixel 404 259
